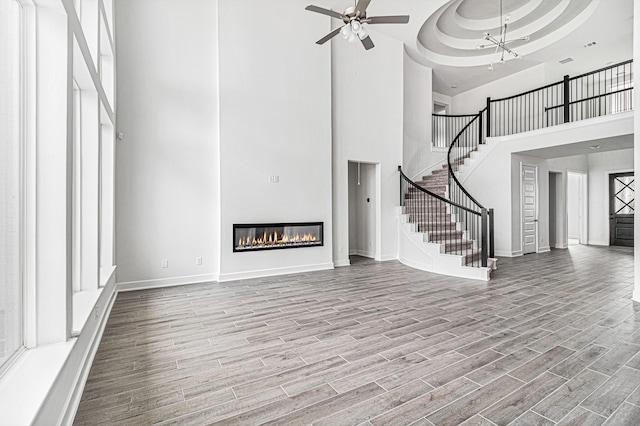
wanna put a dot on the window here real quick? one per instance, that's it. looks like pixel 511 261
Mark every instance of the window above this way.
pixel 11 277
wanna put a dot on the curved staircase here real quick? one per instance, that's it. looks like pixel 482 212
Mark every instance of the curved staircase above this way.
pixel 443 228
pixel 435 235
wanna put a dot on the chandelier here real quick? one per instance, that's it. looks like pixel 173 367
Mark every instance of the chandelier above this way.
pixel 502 42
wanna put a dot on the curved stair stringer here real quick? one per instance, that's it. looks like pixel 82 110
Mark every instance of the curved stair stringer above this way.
pixel 476 158
pixel 415 251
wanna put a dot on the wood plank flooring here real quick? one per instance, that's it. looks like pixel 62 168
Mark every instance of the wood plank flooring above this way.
pixel 553 338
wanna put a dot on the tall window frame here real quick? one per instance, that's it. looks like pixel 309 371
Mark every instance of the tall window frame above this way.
pixel 12 334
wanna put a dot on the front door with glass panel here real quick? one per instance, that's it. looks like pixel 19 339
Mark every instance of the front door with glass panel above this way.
pixel 621 209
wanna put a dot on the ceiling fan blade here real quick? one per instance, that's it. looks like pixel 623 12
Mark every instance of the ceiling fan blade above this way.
pixel 329 36
pixel 324 11
pixel 361 7
pixel 367 43
pixel 401 19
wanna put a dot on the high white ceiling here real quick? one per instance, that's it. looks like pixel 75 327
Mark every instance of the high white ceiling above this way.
pixel 444 34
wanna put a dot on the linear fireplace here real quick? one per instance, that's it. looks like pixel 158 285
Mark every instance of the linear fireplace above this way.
pixel 270 236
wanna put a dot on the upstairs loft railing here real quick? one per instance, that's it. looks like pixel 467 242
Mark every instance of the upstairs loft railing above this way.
pixel 601 92
pixel 446 127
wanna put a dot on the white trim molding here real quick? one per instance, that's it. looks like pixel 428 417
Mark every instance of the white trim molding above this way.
pixel 166 282
pixel 234 276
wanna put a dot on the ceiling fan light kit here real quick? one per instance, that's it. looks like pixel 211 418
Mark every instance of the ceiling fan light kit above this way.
pixel 353 31
pixel 354 19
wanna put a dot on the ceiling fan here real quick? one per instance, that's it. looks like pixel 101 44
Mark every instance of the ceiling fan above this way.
pixel 354 18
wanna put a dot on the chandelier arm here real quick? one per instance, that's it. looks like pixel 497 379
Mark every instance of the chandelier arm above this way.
pixel 514 40
pixel 492 39
pixel 506 49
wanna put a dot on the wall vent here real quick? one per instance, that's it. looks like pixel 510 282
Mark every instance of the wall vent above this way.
pixel 566 60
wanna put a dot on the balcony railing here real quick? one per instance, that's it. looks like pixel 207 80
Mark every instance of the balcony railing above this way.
pixel 601 92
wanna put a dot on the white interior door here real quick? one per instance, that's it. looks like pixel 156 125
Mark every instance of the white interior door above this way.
pixel 529 209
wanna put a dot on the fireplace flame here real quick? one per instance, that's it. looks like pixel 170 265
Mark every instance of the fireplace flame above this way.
pixel 273 238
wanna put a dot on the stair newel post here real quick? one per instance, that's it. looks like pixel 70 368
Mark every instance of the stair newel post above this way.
pixel 488 117
pixel 492 252
pixel 567 99
pixel 480 132
pixel 485 236
pixel 400 172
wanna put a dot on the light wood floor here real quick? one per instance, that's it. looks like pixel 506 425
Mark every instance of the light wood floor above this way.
pixel 553 338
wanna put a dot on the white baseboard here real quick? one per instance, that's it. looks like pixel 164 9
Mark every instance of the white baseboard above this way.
pixel 83 373
pixel 517 253
pixel 165 282
pixel 544 249
pixel 363 253
pixel 598 243
pixel 387 257
pixel 63 399
pixel 341 263
pixel 276 271
pixel 561 246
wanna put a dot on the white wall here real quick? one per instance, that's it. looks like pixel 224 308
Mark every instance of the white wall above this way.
pixel 600 166
pixel 474 100
pixel 418 106
pixel 367 127
pixel 275 120
pixel 167 164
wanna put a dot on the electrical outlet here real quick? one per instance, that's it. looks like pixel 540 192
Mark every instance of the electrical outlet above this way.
pixel 199 260
pixel 165 263
pixel 96 312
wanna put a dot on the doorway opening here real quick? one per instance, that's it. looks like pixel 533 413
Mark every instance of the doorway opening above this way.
pixel 556 206
pixel 577 208
pixel 440 108
pixel 621 209
pixel 363 205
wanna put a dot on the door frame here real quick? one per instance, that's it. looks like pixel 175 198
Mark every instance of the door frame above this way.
pixel 537 203
pixel 609 201
pixel 584 206
pixel 376 227
pixel 607 197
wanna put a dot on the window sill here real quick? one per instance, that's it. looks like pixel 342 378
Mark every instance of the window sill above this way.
pixel 83 303
pixel 26 385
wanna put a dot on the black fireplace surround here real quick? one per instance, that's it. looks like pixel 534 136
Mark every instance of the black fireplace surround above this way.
pixel 274 236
